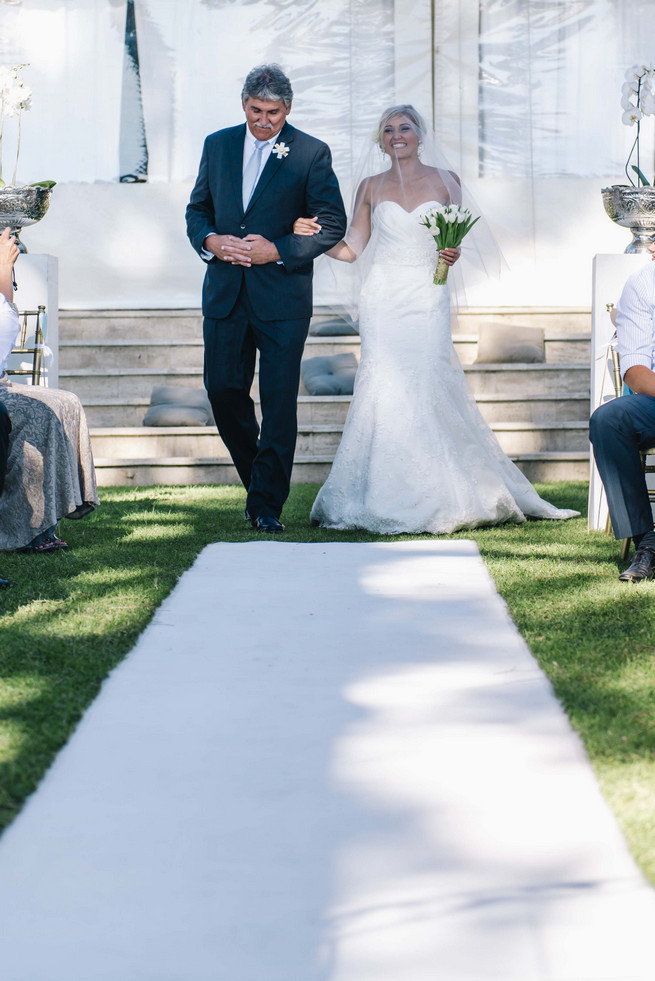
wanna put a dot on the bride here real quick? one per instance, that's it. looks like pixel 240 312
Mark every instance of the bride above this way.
pixel 416 454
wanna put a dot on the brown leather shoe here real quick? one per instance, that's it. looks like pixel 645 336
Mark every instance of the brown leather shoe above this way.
pixel 641 568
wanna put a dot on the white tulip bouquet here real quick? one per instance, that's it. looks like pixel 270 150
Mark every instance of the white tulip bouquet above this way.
pixel 448 224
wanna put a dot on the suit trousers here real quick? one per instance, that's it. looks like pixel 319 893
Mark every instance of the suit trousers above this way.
pixel 618 431
pixel 5 429
pixel 263 458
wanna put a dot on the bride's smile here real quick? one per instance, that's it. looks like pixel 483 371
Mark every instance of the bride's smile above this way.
pixel 400 138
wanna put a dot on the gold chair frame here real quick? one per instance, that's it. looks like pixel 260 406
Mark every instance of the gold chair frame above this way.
pixel 37 370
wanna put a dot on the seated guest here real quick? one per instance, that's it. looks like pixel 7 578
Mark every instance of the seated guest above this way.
pixel 621 428
pixel 49 470
pixel 5 429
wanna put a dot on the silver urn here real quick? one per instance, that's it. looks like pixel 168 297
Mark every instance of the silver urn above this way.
pixel 21 206
pixel 633 208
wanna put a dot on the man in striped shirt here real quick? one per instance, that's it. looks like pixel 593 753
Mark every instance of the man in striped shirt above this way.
pixel 621 428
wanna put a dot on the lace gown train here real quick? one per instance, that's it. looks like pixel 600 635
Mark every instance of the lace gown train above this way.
pixel 416 454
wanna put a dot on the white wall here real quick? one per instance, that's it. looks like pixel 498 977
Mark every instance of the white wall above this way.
pixel 125 246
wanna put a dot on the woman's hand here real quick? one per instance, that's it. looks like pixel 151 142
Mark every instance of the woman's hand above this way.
pixel 450 256
pixel 9 251
pixel 306 226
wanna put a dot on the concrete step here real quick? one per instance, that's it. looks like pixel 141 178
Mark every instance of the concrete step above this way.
pixel 551 319
pixel 178 325
pixel 160 352
pixel 118 412
pixel 521 407
pixel 529 380
pixel 144 442
pixel 127 383
pixel 144 325
pixel 313 440
pixel 125 354
pixel 193 470
pixel 121 412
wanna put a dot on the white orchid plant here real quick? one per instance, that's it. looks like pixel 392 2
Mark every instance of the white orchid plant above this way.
pixel 637 101
pixel 15 98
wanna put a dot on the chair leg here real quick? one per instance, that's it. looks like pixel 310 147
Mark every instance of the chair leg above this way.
pixel 624 549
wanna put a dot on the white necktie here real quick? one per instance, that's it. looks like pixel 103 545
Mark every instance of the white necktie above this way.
pixel 251 173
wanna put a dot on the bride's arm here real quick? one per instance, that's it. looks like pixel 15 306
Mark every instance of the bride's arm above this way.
pixel 359 230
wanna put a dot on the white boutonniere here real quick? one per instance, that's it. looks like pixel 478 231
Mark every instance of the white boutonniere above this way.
pixel 280 150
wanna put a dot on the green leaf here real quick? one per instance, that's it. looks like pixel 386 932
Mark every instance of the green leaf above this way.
pixel 2 183
pixel 640 176
pixel 43 184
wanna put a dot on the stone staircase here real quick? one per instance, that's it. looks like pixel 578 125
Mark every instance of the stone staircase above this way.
pixel 112 359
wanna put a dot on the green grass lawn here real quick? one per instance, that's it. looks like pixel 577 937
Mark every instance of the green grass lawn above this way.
pixel 69 617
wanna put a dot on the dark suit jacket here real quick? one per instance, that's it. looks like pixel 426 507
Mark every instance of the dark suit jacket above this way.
pixel 300 184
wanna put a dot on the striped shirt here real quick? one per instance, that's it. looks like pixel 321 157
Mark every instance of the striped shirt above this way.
pixel 635 320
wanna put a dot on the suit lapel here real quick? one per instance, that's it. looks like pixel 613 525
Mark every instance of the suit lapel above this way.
pixel 273 163
pixel 235 164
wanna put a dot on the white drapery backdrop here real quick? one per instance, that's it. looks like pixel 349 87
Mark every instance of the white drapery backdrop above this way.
pixel 525 95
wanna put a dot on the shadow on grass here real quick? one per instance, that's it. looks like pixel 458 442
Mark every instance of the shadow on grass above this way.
pixel 70 617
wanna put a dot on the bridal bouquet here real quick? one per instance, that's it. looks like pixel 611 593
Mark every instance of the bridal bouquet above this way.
pixel 448 224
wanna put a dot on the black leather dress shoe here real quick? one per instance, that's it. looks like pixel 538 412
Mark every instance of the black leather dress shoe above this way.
pixel 642 567
pixel 5 583
pixel 268 524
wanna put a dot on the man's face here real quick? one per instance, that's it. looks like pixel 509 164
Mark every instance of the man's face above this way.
pixel 265 119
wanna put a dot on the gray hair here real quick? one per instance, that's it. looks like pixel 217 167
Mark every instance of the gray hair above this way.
pixel 267 82
pixel 414 116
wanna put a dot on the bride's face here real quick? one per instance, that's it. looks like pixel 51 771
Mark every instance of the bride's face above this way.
pixel 399 138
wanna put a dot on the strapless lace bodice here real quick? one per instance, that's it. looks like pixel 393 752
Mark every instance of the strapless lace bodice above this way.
pixel 400 238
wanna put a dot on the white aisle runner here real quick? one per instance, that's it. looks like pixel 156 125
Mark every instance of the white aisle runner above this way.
pixel 324 763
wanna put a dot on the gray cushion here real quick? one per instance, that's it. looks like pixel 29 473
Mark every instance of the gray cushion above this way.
pixel 510 344
pixel 334 327
pixel 171 406
pixel 330 375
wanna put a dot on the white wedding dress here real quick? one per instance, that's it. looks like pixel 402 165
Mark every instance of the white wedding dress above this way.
pixel 416 454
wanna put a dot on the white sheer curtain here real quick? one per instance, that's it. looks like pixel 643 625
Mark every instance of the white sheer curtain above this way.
pixel 532 88
pixel 193 57
pixel 75 56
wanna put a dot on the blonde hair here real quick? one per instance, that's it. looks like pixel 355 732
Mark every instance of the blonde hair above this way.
pixel 414 116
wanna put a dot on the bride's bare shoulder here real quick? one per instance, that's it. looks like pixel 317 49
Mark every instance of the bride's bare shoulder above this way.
pixel 442 176
pixel 368 187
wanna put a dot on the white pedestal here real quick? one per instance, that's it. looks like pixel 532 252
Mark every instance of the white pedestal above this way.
pixel 609 275
pixel 37 277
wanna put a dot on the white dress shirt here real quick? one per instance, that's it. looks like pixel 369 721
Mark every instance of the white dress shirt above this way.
pixel 249 146
pixel 9 328
pixel 635 320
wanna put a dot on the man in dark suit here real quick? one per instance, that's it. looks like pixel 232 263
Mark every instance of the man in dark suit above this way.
pixel 254 181
pixel 5 429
